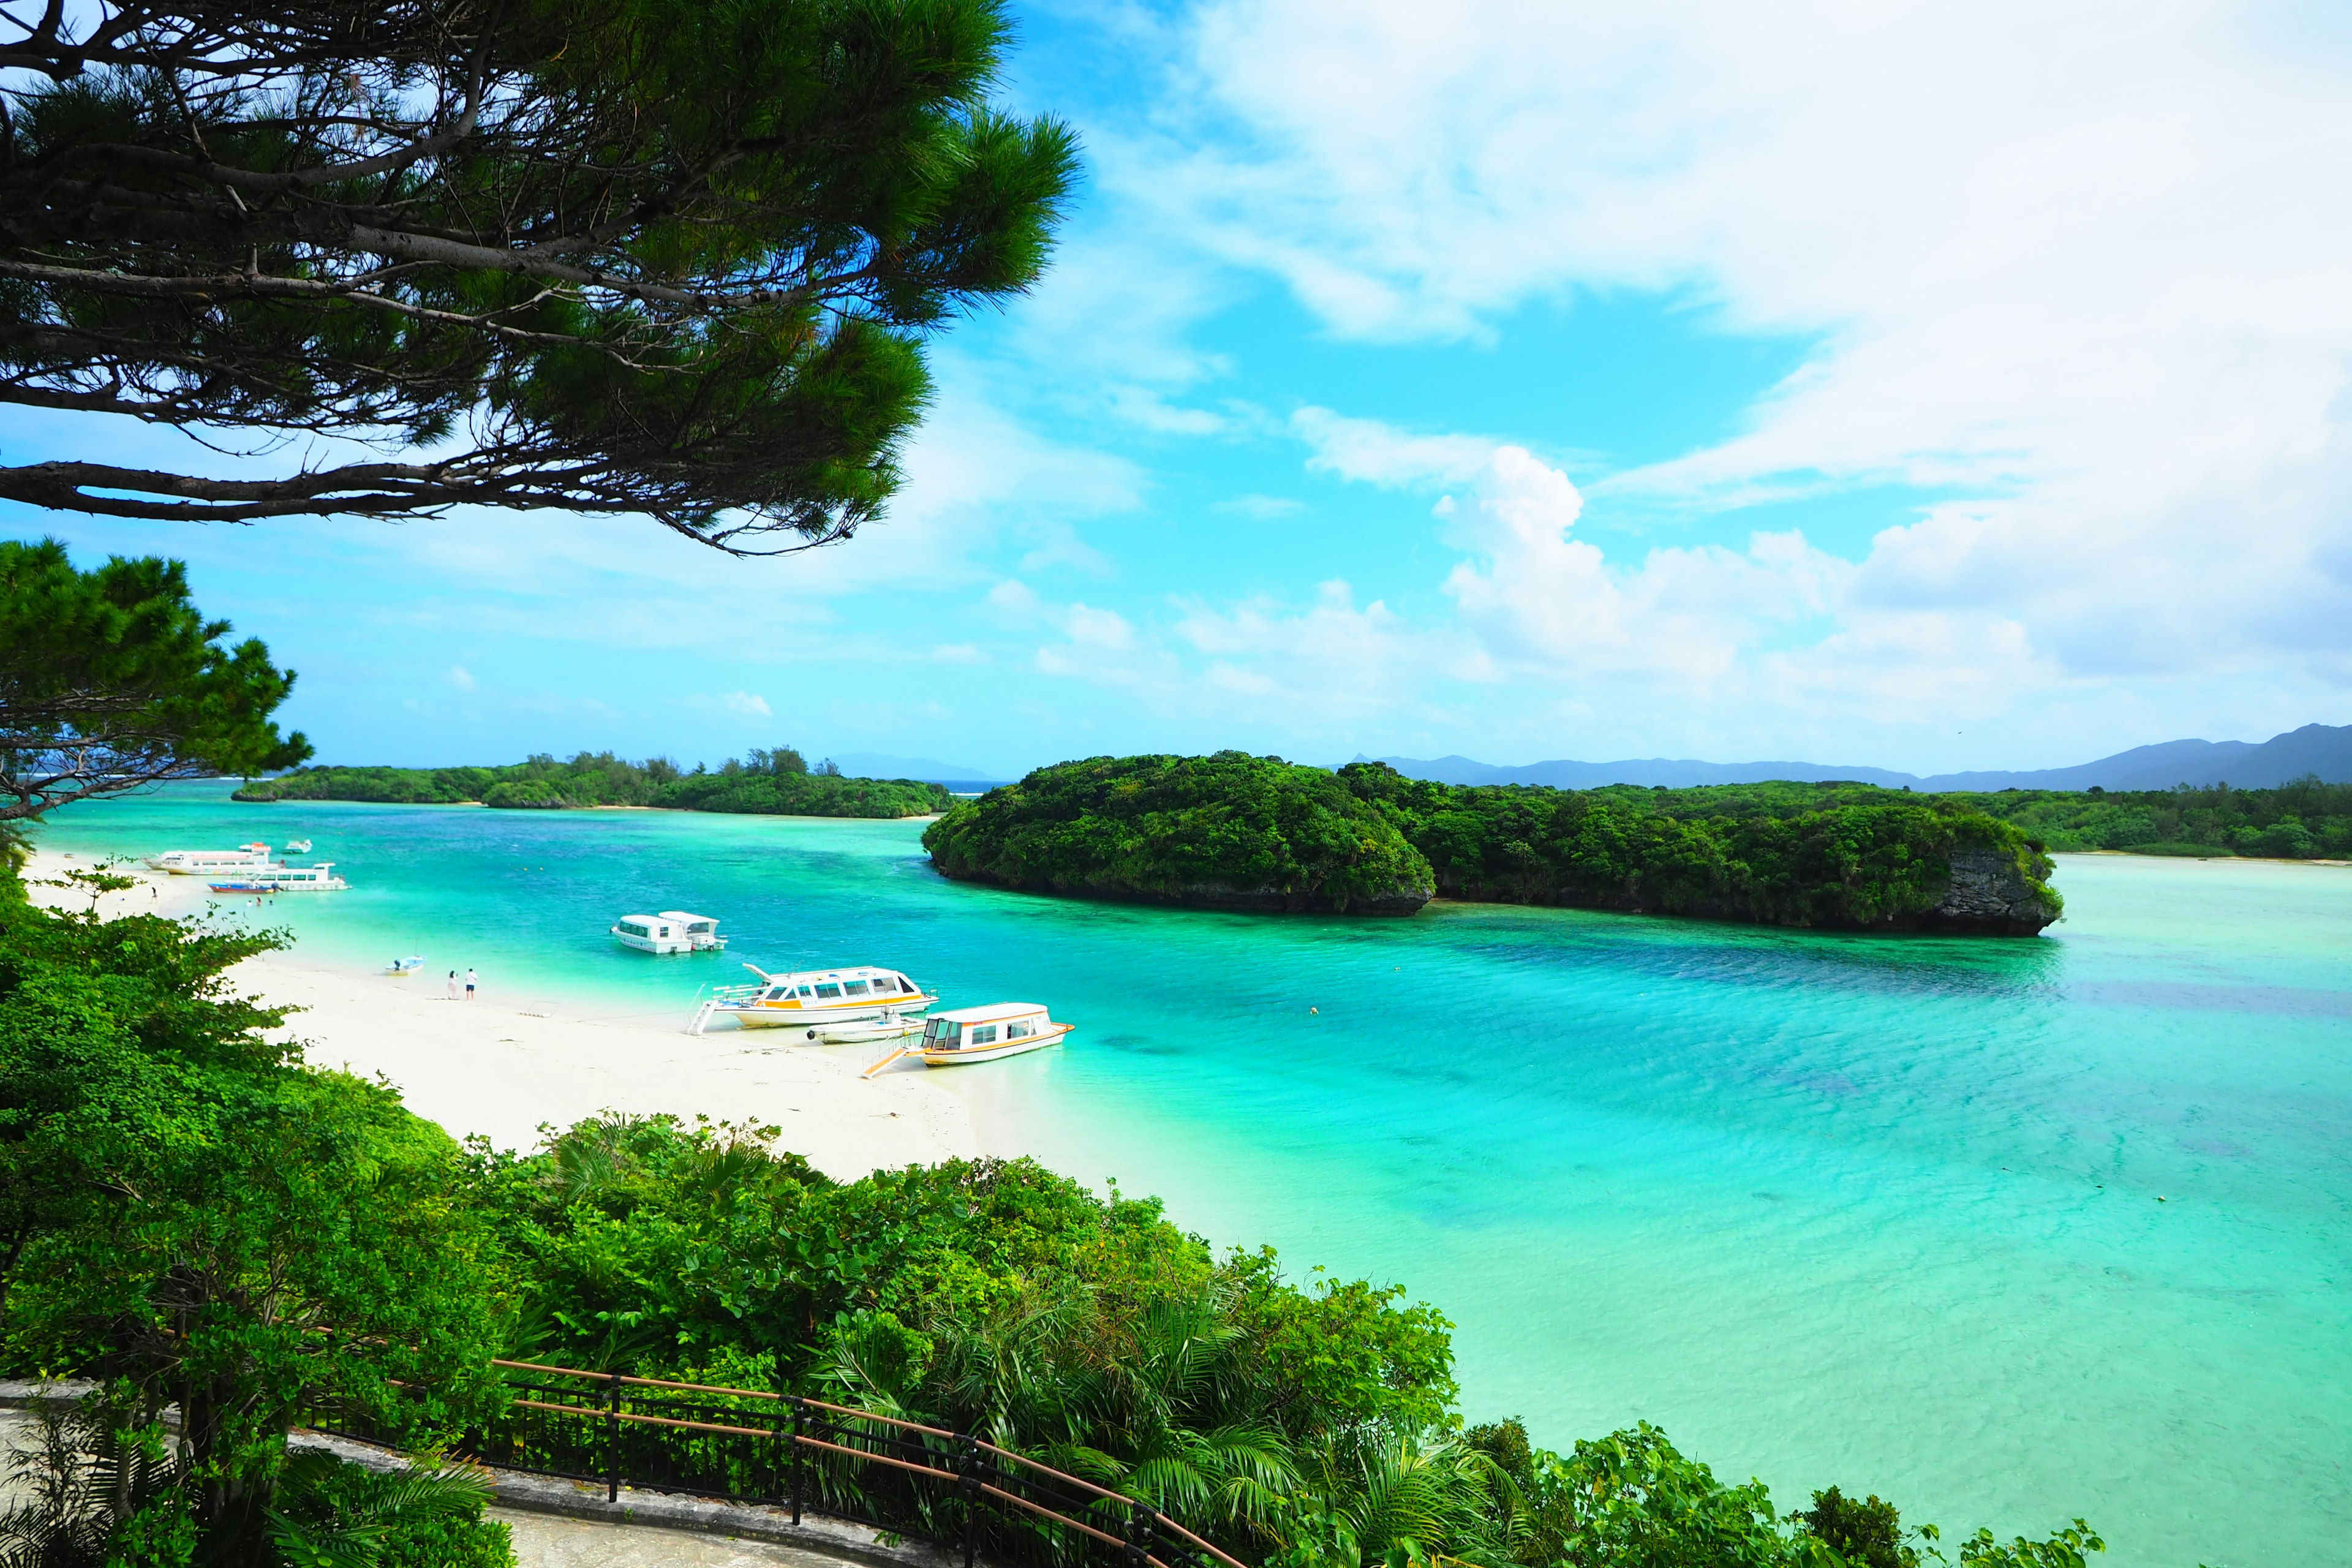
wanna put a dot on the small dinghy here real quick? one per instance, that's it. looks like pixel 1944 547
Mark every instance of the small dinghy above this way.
pixel 298 846
pixel 863 1031
pixel 404 967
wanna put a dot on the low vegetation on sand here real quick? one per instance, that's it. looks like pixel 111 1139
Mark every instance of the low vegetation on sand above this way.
pixel 195 1219
pixel 1242 832
pixel 777 783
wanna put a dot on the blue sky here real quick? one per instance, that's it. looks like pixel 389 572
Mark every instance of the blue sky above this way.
pixel 1922 387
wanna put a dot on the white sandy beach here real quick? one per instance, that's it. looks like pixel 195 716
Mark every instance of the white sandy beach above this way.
pixel 504 1069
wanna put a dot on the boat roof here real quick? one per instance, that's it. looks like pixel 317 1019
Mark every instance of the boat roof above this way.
pixel 644 917
pixel 797 976
pixel 990 1012
pixel 682 915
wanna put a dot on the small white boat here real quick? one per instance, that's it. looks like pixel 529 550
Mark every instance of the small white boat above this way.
pixel 317 879
pixel 702 931
pixel 297 847
pixel 652 933
pixel 966 1035
pixel 244 858
pixel 890 1025
pixel 812 999
pixel 401 968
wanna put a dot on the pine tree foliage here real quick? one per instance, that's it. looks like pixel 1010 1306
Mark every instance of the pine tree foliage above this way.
pixel 671 258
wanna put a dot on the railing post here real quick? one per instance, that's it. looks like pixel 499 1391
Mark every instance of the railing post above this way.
pixel 613 1437
pixel 1140 1522
pixel 797 1451
pixel 968 1485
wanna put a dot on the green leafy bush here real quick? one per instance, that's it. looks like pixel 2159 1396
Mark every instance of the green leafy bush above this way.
pixel 775 782
pixel 1227 831
pixel 1238 831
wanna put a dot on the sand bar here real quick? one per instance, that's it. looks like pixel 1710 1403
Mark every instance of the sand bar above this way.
pixel 503 1068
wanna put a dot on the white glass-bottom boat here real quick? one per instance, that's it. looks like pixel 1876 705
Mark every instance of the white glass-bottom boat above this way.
pixel 317 879
pixel 966 1035
pixel 210 862
pixel 811 998
pixel 672 931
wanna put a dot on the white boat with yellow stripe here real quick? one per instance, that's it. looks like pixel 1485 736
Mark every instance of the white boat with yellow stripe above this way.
pixel 812 999
pixel 962 1035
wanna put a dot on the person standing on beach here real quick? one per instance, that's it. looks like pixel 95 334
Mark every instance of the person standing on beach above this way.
pixel 453 986
pixel 469 986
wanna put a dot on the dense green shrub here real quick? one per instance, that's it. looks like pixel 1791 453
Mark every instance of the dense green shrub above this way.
pixel 1238 831
pixel 772 783
pixel 2304 820
pixel 196 1219
pixel 1228 831
pixel 1834 855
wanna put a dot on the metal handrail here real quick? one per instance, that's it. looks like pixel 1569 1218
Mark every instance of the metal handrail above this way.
pixel 969 1474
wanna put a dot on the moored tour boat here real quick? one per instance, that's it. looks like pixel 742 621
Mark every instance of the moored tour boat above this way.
pixel 965 1035
pixel 656 933
pixel 317 879
pixel 702 931
pixel 210 862
pixel 812 999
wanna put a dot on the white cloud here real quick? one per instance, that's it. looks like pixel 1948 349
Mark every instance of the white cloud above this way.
pixel 1382 453
pixel 747 702
pixel 461 677
pixel 2081 268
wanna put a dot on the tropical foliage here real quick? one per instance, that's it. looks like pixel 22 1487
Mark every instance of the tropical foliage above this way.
pixel 1237 831
pixel 2305 820
pixel 772 783
pixel 1834 855
pixel 197 1221
pixel 1229 831
pixel 112 678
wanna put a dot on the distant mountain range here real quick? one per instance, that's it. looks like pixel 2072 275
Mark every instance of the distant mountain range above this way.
pixel 882 765
pixel 2319 749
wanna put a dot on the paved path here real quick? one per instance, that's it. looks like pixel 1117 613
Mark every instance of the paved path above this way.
pixel 543 1540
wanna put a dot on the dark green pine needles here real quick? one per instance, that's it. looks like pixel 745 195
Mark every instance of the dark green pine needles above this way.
pixel 675 258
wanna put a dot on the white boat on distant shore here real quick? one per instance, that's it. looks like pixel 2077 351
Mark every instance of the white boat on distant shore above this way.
pixel 212 862
pixel 811 999
pixel 317 879
pixel 672 931
pixel 967 1035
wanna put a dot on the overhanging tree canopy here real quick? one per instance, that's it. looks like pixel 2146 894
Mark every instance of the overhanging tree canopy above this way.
pixel 112 678
pixel 664 256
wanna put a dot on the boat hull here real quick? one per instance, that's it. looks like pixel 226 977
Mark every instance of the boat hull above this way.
pixel 1049 1035
pixel 760 1016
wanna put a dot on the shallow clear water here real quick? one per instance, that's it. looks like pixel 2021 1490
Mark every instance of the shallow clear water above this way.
pixel 1882 1213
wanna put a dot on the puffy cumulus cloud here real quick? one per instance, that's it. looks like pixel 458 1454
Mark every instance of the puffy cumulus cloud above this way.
pixel 2080 269
pixel 1536 602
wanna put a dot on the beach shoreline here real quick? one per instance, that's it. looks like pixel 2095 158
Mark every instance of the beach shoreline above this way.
pixel 504 1067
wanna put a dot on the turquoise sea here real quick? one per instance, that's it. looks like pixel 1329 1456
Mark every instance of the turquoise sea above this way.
pixel 1882 1213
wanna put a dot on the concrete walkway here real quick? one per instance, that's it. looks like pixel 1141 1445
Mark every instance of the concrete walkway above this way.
pixel 544 1540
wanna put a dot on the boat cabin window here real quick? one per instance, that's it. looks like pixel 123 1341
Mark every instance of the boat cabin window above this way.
pixel 983 1034
pixel 854 987
pixel 777 992
pixel 940 1034
pixel 807 993
pixel 632 927
pixel 828 993
pixel 1019 1029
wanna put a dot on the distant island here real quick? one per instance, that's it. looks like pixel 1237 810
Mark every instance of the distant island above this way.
pixel 1233 831
pixel 778 783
